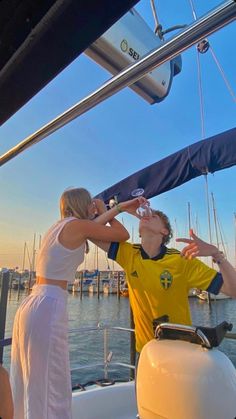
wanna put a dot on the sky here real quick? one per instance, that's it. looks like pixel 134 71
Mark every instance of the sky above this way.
pixel 118 137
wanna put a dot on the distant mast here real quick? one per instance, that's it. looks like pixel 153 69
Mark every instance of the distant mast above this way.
pixel 218 228
pixel 33 253
pixel 189 217
pixel 235 239
pixel 24 254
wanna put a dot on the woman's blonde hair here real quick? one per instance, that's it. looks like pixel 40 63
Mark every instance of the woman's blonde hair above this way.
pixel 75 203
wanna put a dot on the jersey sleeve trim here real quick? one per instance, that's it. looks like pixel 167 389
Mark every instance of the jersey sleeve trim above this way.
pixel 113 250
pixel 216 284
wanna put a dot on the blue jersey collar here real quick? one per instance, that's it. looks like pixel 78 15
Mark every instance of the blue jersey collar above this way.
pixel 160 255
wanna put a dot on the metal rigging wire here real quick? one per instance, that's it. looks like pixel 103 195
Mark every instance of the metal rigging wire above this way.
pixel 199 78
pixel 202 49
pixel 202 123
pixel 228 86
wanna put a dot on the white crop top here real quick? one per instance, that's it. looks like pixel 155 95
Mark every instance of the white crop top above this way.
pixel 55 261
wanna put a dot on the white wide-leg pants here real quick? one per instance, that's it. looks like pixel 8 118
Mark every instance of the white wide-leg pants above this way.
pixel 40 370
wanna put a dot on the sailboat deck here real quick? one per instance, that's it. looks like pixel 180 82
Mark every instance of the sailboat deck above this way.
pixel 117 401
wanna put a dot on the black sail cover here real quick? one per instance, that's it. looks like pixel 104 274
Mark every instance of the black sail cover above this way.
pixel 206 156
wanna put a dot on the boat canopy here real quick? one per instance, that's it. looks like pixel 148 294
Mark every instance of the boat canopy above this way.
pixel 88 274
pixel 66 28
pixel 206 156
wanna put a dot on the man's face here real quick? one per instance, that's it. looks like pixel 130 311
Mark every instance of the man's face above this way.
pixel 152 224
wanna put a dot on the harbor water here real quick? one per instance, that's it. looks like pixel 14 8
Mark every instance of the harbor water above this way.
pixel 87 346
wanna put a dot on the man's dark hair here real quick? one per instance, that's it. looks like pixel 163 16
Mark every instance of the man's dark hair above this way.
pixel 167 225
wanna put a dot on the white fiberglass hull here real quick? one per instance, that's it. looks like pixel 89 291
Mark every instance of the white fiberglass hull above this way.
pixel 117 401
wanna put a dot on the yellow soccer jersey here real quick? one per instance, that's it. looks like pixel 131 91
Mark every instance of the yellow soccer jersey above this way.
pixel 160 285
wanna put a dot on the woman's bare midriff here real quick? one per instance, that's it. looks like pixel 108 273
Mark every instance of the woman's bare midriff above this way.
pixel 46 281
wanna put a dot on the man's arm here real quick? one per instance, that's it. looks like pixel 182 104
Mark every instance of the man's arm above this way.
pixel 197 247
pixel 228 273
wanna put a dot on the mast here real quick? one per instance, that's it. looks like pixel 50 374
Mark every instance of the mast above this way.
pixel 189 216
pixel 176 233
pixel 196 225
pixel 218 228
pixel 215 219
pixel 235 239
pixel 85 261
pixel 40 240
pixel 32 263
pixel 24 255
pixel 33 253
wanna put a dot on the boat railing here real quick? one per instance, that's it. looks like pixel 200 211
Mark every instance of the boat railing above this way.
pixel 230 335
pixel 107 354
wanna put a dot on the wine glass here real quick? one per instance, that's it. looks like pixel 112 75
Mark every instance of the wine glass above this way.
pixel 112 202
pixel 144 210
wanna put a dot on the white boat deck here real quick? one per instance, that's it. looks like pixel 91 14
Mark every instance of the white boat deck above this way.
pixel 117 401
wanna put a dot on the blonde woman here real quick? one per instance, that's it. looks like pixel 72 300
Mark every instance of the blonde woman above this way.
pixel 40 373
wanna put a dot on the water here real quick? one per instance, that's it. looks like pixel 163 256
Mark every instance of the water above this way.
pixel 87 346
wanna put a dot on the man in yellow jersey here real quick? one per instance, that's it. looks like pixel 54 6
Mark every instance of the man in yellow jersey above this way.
pixel 159 278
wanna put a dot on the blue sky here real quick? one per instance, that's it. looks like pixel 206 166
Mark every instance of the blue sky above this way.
pixel 118 137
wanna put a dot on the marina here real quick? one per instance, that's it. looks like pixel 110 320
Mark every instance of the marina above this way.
pixel 95 282
pixel 102 366
pixel 87 347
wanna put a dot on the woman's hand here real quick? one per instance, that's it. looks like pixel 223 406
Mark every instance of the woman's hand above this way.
pixel 132 205
pixel 197 247
pixel 99 206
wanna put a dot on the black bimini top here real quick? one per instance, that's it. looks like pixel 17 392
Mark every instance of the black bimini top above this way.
pixel 39 38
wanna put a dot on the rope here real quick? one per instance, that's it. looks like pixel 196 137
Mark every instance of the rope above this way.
pixel 199 79
pixel 200 89
pixel 193 10
pixel 228 86
pixel 202 122
pixel 208 209
pixel 202 104
pixel 103 382
pixel 158 27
